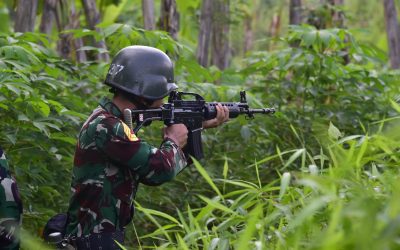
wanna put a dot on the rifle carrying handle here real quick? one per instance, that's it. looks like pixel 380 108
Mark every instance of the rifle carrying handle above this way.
pixel 194 146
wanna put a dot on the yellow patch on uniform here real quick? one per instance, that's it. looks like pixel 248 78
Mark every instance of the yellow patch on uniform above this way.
pixel 128 132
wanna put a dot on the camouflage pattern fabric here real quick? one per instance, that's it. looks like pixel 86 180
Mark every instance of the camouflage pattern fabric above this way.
pixel 110 162
pixel 10 207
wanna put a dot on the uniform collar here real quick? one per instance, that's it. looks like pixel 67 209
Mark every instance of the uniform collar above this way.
pixel 110 107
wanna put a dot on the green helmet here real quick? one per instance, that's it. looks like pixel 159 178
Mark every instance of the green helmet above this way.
pixel 142 71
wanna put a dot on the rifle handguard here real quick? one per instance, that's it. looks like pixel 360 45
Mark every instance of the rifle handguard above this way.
pixel 192 113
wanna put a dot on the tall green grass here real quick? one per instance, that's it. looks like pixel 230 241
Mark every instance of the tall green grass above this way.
pixel 345 197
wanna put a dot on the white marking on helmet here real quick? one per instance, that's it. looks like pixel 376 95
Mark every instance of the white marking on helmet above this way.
pixel 115 69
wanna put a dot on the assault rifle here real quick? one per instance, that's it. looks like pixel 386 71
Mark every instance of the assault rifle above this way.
pixel 191 113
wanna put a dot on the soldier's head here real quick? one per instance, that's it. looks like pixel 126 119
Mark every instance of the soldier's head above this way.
pixel 141 74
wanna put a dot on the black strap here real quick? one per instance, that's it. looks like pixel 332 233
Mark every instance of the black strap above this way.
pixel 99 241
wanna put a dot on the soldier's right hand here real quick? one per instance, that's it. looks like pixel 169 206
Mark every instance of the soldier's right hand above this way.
pixel 178 133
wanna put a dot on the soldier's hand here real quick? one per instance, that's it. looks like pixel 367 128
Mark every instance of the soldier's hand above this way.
pixel 178 133
pixel 222 116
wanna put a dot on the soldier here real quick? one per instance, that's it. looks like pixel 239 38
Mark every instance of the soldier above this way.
pixel 10 207
pixel 110 160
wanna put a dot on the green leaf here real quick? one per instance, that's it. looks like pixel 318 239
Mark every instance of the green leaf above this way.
pixel 246 234
pixel 112 12
pixel 334 132
pixel 13 88
pixel 181 243
pixel 40 107
pixel 326 37
pixel 151 217
pixel 91 48
pixel 159 214
pixel 58 106
pixel 4 106
pixel 293 157
pixel 23 117
pixel 217 205
pixel 310 209
pixel 205 175
pixel 285 182
pixel 309 38
pixel 19 53
pixel 245 132
pixel 362 151
pixel 11 138
pixel 248 185
pixel 184 5
pixel 42 127
pixel 17 87
pixel 67 139
pixel 395 105
pixel 51 125
pixel 225 169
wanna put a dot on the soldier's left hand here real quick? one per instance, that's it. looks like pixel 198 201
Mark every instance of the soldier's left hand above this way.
pixel 222 116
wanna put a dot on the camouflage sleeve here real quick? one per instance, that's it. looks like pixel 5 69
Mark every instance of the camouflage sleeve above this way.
pixel 10 207
pixel 153 165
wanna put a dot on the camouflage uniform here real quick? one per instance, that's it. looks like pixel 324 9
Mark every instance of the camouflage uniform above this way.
pixel 10 207
pixel 109 163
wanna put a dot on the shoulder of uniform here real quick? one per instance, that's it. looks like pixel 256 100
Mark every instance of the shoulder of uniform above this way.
pixel 119 127
pixel 102 116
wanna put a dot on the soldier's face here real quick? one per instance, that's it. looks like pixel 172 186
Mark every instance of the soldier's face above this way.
pixel 157 103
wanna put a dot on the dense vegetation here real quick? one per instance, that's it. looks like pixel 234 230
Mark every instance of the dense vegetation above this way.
pixel 322 173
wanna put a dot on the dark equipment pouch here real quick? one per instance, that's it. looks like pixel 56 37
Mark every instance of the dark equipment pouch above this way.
pixel 54 231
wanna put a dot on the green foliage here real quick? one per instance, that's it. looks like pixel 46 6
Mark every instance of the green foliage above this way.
pixel 316 185
pixel 31 242
pixel 348 202
pixel 41 111
pixel 321 173
pixel 45 99
pixel 311 84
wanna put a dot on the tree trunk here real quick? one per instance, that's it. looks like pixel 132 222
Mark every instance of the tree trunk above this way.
pixel 319 17
pixel 337 16
pixel 48 15
pixel 338 20
pixel 393 33
pixel 248 33
pixel 64 43
pixel 220 34
pixel 275 26
pixel 25 16
pixel 80 55
pixel 204 33
pixel 169 18
pixel 67 18
pixel 295 12
pixel 11 12
pixel 148 14
pixel 92 19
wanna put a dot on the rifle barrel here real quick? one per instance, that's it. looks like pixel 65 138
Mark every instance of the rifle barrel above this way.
pixel 262 111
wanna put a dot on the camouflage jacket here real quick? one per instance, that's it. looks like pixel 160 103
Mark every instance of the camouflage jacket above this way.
pixel 10 207
pixel 109 163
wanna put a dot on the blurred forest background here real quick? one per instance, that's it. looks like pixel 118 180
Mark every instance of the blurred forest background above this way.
pixel 322 173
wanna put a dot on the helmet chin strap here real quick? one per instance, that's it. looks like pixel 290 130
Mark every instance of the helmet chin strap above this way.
pixel 141 103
